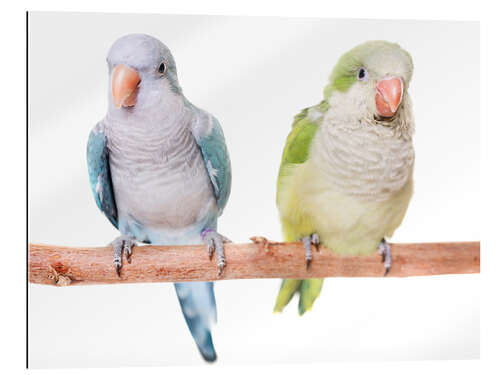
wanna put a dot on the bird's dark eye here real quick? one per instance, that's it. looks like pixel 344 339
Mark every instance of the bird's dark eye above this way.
pixel 362 74
pixel 162 68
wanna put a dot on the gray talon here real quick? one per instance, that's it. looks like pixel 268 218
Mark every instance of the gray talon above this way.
pixel 215 244
pixel 384 250
pixel 127 249
pixel 315 240
pixel 307 245
pixel 221 264
pixel 211 249
pixel 118 267
pixel 122 245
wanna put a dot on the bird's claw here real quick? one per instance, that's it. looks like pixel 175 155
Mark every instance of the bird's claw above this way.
pixel 215 244
pixel 127 249
pixel 308 241
pixel 384 249
pixel 315 240
pixel 122 245
pixel 308 263
pixel 220 265
pixel 211 249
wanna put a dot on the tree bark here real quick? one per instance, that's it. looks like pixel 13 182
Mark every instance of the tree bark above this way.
pixel 56 265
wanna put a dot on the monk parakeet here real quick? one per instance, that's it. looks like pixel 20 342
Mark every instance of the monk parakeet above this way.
pixel 345 179
pixel 159 169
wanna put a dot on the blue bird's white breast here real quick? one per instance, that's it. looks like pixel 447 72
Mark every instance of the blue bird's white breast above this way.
pixel 161 186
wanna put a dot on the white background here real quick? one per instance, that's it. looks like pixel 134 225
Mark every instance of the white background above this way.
pixel 254 75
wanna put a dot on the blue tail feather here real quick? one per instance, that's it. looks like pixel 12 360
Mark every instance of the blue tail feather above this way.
pixel 197 301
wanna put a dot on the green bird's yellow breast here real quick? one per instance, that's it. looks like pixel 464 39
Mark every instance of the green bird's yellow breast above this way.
pixel 345 223
pixel 353 189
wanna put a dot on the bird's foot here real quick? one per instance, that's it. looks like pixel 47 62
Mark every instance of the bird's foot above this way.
pixel 122 245
pixel 384 249
pixel 309 241
pixel 215 243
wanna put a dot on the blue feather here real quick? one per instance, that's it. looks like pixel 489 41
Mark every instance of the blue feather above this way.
pixel 214 151
pixel 99 174
pixel 197 301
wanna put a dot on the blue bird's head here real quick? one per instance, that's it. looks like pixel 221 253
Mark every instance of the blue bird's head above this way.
pixel 142 72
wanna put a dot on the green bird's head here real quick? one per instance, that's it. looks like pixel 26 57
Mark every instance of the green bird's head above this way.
pixel 373 78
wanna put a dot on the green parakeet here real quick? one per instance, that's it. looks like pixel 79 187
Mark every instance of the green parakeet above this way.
pixel 345 179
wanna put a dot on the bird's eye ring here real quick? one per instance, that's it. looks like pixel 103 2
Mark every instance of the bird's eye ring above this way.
pixel 362 74
pixel 162 67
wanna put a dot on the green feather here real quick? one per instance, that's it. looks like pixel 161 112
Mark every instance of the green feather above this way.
pixel 309 291
pixel 344 73
pixel 287 290
pixel 299 140
pixel 303 130
pixel 297 152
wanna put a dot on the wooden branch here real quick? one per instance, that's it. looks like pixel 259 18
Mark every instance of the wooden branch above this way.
pixel 55 265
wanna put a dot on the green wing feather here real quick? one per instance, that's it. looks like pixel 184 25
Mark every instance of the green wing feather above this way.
pixel 299 140
pixel 298 144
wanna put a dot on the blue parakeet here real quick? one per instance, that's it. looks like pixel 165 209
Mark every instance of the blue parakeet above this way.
pixel 160 170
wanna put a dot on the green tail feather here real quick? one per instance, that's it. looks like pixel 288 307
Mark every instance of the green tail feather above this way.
pixel 308 289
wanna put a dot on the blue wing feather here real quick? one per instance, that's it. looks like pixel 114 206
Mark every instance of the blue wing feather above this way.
pixel 99 174
pixel 209 136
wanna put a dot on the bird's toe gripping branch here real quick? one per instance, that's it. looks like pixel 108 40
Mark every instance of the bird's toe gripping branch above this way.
pixel 122 245
pixel 309 241
pixel 384 249
pixel 215 243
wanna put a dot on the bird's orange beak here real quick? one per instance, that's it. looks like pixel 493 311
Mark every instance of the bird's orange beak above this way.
pixel 389 96
pixel 124 86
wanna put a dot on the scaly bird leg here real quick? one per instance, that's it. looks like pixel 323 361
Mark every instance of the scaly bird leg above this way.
pixel 215 243
pixel 384 249
pixel 122 245
pixel 315 240
pixel 308 241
